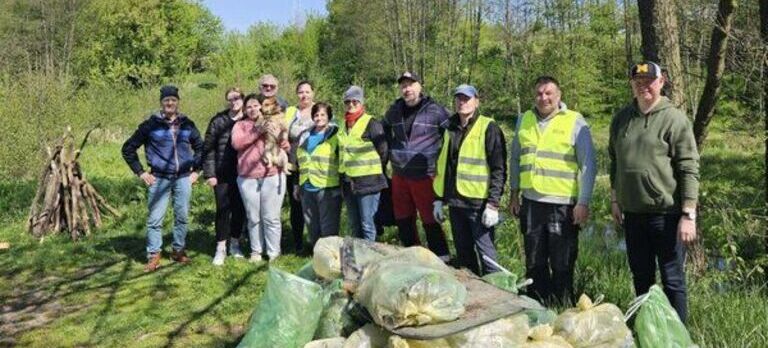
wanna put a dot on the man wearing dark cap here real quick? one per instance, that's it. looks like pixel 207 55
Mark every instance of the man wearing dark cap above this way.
pixel 470 175
pixel 553 168
pixel 414 126
pixel 173 149
pixel 654 176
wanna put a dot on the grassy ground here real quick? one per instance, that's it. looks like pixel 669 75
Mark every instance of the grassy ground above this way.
pixel 94 293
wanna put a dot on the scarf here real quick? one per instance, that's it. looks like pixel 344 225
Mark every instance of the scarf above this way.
pixel 351 118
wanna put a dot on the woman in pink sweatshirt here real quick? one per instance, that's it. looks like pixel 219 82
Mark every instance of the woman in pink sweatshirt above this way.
pixel 262 187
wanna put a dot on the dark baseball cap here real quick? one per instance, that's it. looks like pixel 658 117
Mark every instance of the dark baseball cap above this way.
pixel 409 76
pixel 467 90
pixel 645 69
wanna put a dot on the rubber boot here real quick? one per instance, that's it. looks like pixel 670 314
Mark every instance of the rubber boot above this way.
pixel 409 235
pixel 436 241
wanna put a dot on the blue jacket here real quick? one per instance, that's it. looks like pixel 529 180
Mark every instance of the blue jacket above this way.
pixel 414 153
pixel 168 153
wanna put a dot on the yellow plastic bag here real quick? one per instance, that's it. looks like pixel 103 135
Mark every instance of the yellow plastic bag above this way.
pixel 410 288
pixel 368 336
pixel 327 257
pixel 399 342
pixel 594 325
pixel 542 337
pixel 505 332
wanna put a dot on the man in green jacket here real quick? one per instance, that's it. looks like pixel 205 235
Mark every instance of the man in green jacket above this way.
pixel 654 184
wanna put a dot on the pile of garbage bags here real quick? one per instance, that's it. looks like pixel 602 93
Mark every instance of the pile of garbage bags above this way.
pixel 352 289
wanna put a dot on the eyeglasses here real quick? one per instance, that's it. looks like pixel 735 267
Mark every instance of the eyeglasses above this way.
pixel 266 85
pixel 234 99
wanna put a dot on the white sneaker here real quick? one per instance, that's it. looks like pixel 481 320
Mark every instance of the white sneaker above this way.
pixel 218 259
pixel 255 258
pixel 234 249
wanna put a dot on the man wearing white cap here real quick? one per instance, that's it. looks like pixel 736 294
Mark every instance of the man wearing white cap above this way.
pixel 470 177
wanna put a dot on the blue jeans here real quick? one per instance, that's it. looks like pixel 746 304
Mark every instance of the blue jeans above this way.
pixel 159 194
pixel 361 210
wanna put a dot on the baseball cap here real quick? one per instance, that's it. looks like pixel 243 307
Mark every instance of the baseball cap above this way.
pixel 645 69
pixel 466 90
pixel 409 76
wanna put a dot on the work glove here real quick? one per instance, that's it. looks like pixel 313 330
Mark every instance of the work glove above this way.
pixel 490 216
pixel 437 211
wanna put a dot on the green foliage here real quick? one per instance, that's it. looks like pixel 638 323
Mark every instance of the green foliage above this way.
pixel 143 41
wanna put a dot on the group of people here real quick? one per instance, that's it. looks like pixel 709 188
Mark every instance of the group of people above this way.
pixel 429 158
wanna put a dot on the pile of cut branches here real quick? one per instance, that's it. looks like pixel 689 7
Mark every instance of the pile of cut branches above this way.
pixel 65 200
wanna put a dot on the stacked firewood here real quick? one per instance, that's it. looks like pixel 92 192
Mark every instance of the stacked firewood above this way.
pixel 65 201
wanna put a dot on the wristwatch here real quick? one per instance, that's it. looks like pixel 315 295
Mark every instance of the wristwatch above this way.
pixel 690 213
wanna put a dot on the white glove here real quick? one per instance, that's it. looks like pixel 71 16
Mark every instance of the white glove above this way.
pixel 490 216
pixel 437 211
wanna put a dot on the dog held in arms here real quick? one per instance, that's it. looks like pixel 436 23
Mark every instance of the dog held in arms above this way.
pixel 273 118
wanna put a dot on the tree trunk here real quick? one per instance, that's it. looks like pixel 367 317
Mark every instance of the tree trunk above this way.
pixel 661 44
pixel 627 34
pixel 764 34
pixel 715 67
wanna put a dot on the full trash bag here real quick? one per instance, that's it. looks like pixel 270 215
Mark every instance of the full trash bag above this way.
pixel 410 288
pixel 593 325
pixel 307 272
pixel 326 259
pixel 506 332
pixel 657 323
pixel 335 320
pixel 287 314
pixel 503 280
pixel 542 337
pixel 357 254
pixel 399 342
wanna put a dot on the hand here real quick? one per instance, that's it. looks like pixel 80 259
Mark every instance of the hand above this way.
pixel 437 211
pixel 580 214
pixel 618 216
pixel 490 216
pixel 296 193
pixel 193 177
pixel 686 230
pixel 212 182
pixel 514 206
pixel 148 178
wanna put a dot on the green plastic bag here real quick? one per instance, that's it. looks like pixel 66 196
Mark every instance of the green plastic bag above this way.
pixel 335 320
pixel 502 280
pixel 307 272
pixel 657 323
pixel 287 314
pixel 410 288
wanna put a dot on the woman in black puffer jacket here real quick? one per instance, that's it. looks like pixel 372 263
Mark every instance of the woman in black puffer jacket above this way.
pixel 220 172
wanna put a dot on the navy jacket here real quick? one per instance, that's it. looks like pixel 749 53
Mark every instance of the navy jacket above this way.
pixel 415 136
pixel 168 153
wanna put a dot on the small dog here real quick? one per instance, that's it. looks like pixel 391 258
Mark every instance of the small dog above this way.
pixel 274 155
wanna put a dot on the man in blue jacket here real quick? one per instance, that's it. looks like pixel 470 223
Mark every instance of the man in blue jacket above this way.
pixel 174 148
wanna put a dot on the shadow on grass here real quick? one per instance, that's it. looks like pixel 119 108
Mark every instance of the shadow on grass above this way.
pixel 179 330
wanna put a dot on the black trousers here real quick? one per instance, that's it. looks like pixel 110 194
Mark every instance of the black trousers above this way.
pixel 551 246
pixel 230 213
pixel 652 238
pixel 472 240
pixel 297 214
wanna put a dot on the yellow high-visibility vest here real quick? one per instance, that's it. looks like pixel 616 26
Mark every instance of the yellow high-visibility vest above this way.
pixel 358 157
pixel 548 159
pixel 290 113
pixel 472 171
pixel 321 167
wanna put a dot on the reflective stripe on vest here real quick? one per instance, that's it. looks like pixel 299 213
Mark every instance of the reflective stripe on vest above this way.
pixel 472 171
pixel 548 160
pixel 358 157
pixel 321 167
pixel 290 114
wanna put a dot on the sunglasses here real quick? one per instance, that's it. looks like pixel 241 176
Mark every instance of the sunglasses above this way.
pixel 265 85
pixel 350 102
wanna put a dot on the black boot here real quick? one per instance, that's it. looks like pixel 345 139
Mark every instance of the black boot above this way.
pixel 436 241
pixel 407 232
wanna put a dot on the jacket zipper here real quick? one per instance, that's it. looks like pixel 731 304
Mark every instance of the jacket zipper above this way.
pixel 175 150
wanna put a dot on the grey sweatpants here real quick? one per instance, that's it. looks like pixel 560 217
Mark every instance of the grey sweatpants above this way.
pixel 263 199
pixel 322 211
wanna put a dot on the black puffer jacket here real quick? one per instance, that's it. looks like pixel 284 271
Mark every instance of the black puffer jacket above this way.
pixel 219 158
